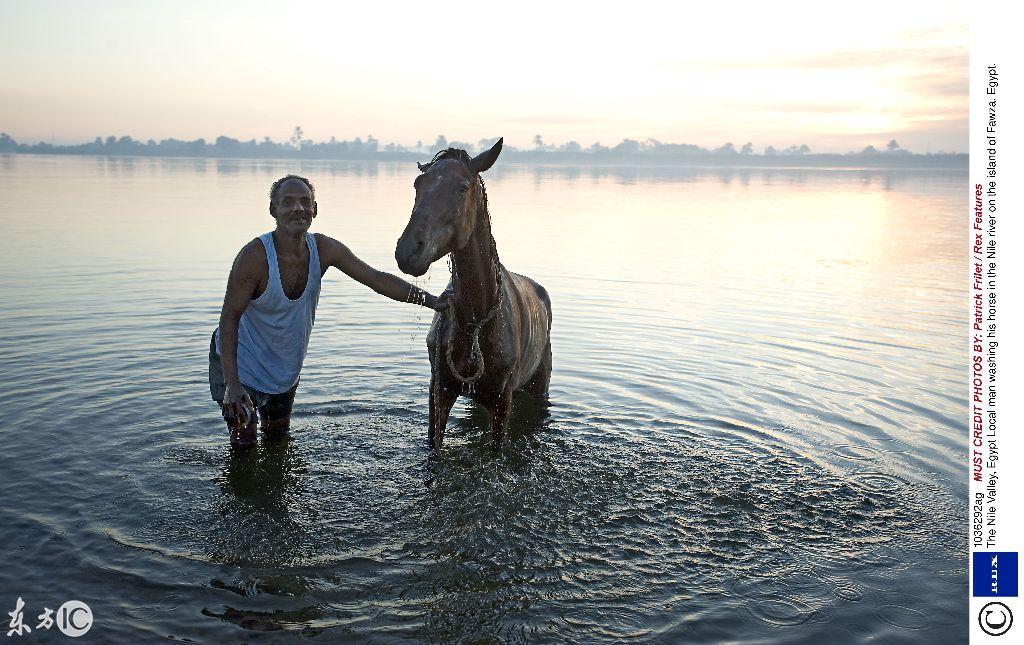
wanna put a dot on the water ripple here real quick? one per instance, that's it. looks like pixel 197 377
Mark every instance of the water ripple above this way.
pixel 718 463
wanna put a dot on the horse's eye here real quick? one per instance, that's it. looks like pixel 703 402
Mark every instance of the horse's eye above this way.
pixel 463 189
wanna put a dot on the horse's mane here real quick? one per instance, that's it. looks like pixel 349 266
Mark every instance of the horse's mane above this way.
pixel 450 153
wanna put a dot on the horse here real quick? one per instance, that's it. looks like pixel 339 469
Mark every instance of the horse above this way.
pixel 495 338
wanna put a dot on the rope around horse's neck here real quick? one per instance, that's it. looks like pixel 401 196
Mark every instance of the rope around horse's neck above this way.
pixel 476 354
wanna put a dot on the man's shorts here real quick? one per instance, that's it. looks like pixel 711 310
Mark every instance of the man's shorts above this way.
pixel 272 407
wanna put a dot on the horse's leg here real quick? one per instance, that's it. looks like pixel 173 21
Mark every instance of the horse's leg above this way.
pixel 500 412
pixel 541 379
pixel 441 401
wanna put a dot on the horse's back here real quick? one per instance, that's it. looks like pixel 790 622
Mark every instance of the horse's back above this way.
pixel 529 288
pixel 534 328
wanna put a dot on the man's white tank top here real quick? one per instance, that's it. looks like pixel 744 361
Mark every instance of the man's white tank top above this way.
pixel 273 334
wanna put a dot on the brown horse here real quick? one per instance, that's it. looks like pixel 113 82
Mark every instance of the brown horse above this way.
pixel 495 338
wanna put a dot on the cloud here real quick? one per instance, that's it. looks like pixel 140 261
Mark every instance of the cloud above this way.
pixel 932 57
pixel 935 58
pixel 805 108
pixel 553 118
pixel 941 86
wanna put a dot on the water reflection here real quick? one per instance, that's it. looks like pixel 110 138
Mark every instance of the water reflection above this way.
pixel 263 478
pixel 299 620
pixel 260 488
pixel 541 175
pixel 228 166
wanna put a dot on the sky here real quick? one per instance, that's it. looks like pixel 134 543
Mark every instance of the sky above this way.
pixel 836 77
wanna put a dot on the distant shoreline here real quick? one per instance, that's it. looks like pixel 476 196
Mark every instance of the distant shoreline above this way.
pixel 627 152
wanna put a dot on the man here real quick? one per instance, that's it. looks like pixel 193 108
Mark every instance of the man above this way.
pixel 269 307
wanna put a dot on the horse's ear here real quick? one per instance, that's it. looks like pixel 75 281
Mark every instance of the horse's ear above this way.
pixel 424 167
pixel 486 159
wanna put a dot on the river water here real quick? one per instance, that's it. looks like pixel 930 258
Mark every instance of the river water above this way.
pixel 756 430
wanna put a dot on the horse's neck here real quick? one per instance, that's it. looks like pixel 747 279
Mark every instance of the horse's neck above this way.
pixel 476 270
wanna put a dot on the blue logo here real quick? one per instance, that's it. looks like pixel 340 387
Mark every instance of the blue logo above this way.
pixel 995 573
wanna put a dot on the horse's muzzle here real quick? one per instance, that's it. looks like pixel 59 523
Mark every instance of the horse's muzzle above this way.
pixel 411 255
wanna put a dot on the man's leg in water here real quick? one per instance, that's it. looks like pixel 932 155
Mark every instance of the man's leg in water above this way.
pixel 276 414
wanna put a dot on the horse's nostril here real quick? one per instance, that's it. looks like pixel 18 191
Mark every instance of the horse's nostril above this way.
pixel 419 246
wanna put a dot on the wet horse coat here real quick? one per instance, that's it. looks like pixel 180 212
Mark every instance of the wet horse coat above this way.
pixel 495 338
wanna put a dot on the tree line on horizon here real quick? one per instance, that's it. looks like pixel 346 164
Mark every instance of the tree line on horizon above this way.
pixel 371 149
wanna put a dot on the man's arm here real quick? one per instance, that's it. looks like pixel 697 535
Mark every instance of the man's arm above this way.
pixel 243 282
pixel 336 254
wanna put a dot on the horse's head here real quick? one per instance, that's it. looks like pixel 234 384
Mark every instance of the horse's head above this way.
pixel 444 214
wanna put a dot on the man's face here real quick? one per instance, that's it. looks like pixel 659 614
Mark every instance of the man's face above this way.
pixel 294 208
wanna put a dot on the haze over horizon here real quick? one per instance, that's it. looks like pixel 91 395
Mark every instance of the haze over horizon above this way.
pixel 834 78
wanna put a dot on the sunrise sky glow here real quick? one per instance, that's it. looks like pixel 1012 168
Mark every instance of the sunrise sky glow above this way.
pixel 834 77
